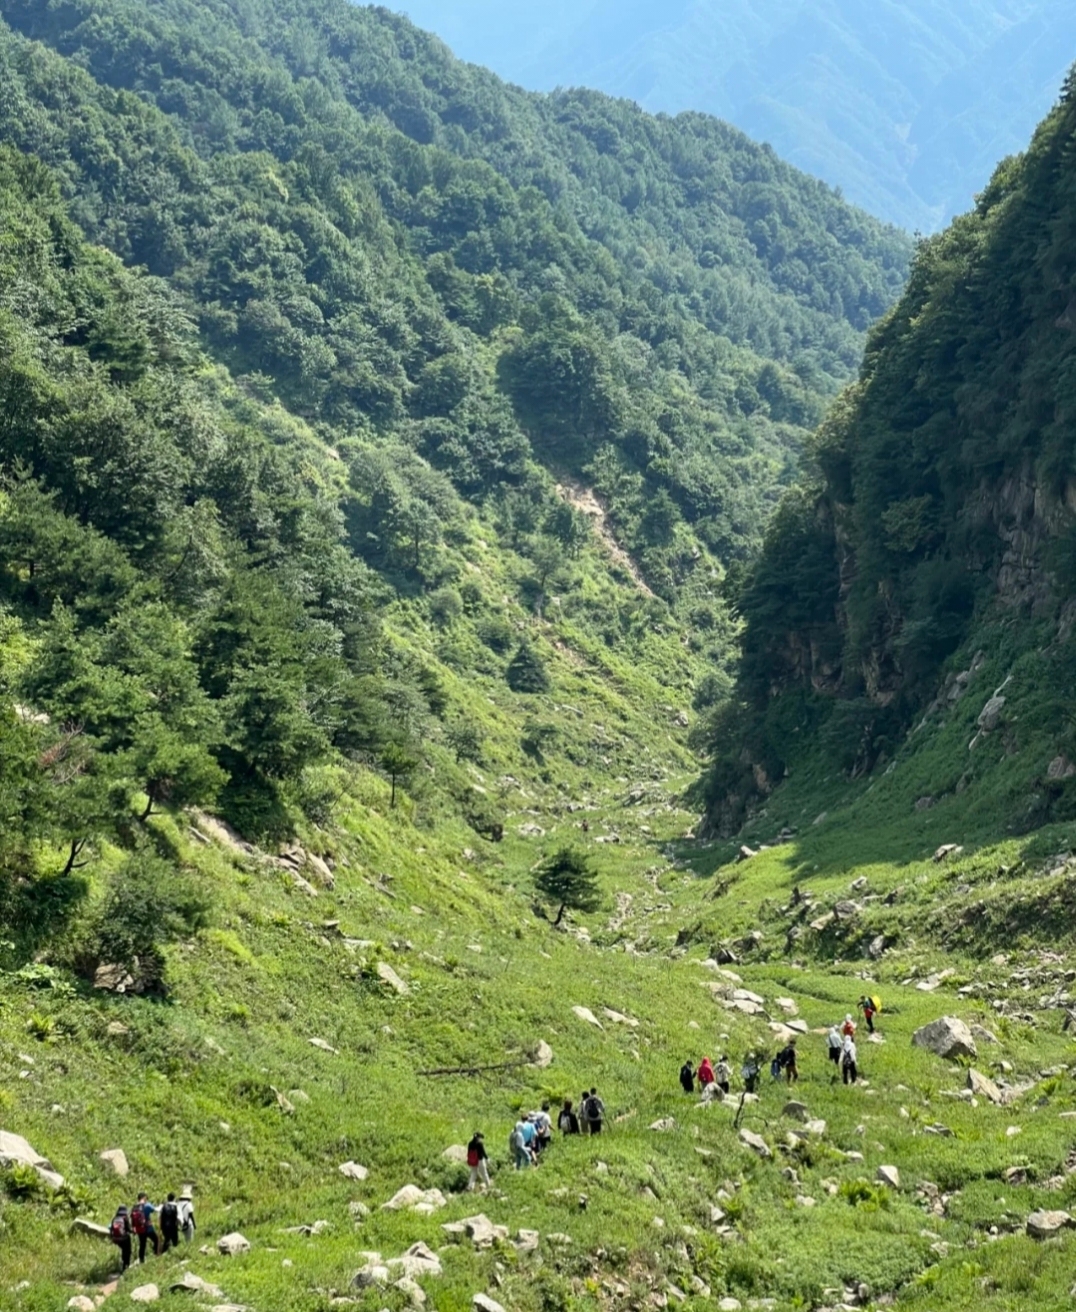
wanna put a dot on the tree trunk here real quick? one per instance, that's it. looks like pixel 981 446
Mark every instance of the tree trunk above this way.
pixel 77 844
pixel 147 812
pixel 560 914
pixel 392 797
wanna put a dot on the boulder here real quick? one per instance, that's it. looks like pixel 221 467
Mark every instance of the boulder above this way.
pixel 742 1004
pixel 412 1198
pixel 1015 1175
pixel 787 1005
pixel 876 946
pixel 322 874
pixel 982 1035
pixel 526 1241
pixel 232 1245
pixel 80 1303
pixel 888 1175
pixel 111 978
pixel 619 1019
pixel 116 1158
pixel 81 1226
pixel 192 1284
pixel 585 1014
pixel 846 909
pixel 816 1127
pixel 665 1124
pixel 796 1110
pixel 947 850
pixel 543 1055
pixel 373 1273
pixel 483 1303
pixel 15 1151
pixel 145 1294
pixel 798 1026
pixel 1044 1224
pixel 353 1171
pixel 388 976
pixel 323 1046
pixel 946 1037
pixel 417 1261
pixel 479 1229
pixel 416 1295
pixel 455 1153
pixel 990 715
pixel 745 995
pixel 983 1087
pixel 756 1143
pixel 729 1305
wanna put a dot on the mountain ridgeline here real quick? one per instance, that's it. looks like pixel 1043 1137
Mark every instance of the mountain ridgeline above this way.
pixel 935 534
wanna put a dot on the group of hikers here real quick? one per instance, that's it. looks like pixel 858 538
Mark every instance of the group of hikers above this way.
pixel 175 1217
pixel 715 1081
pixel 532 1134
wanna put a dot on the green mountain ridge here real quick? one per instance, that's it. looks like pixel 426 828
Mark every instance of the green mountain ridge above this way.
pixel 906 107
pixel 377 522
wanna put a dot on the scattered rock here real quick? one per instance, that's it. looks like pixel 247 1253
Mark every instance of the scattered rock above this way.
pixel 619 1019
pixel 665 1124
pixel 990 715
pixel 731 1304
pixel 924 803
pixel 846 909
pixel 584 1013
pixel 145 1294
pixel 323 1046
pixel 746 853
pixel 888 1175
pixel 15 1151
pixel 1015 1175
pixel 526 1241
pixel 483 1303
pixel 416 1295
pixel 947 850
pixel 117 1029
pixel 83 1227
pixel 1060 768
pixel 417 1261
pixel 232 1245
pixel 373 1273
pixel 876 947
pixel 415 1199
pixel 946 1037
pixel 310 1231
pixel 796 1110
pixel 756 1143
pixel 982 1034
pixel 353 1171
pixel 543 1055
pixel 80 1303
pixel 479 1229
pixel 1044 1224
pixel 816 1127
pixel 111 978
pixel 192 1284
pixel 388 976
pixel 787 1005
pixel 456 1153
pixel 983 1087
pixel 359 1211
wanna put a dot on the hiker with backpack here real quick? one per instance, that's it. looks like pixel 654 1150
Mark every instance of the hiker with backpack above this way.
pixel 706 1073
pixel 687 1078
pixel 169 1224
pixel 142 1225
pixel 723 1075
pixel 120 1233
pixel 786 1061
pixel 849 1069
pixel 567 1121
pixel 584 1124
pixel 477 1160
pixel 595 1111
pixel 834 1045
pixel 870 1007
pixel 750 1072
pixel 185 1208
pixel 517 1147
pixel 543 1128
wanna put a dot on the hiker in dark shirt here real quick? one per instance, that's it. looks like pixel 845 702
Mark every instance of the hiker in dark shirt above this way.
pixel 169 1224
pixel 477 1160
pixel 594 1110
pixel 120 1234
pixel 687 1078
pixel 567 1121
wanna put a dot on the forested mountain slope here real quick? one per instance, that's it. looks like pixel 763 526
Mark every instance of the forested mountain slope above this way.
pixel 907 107
pixel 910 619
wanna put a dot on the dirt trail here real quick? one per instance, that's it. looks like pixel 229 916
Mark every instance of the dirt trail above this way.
pixel 583 499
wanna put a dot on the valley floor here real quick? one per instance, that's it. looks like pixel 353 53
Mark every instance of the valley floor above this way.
pixel 221 1085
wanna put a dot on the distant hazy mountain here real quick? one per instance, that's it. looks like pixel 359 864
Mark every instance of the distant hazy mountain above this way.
pixel 905 104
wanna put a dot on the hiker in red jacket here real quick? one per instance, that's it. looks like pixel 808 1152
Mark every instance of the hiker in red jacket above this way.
pixel 705 1073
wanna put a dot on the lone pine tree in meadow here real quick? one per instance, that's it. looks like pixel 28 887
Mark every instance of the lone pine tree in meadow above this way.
pixel 568 879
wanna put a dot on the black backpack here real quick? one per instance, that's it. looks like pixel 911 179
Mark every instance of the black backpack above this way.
pixel 169 1217
pixel 592 1109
